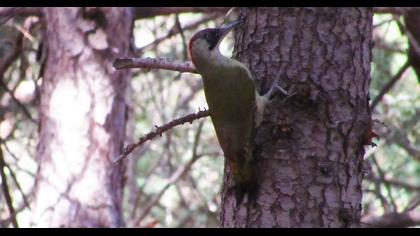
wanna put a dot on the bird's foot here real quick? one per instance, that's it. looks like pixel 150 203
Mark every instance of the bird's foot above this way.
pixel 242 190
pixel 275 90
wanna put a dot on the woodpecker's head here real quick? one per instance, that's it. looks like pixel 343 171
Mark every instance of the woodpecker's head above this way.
pixel 206 42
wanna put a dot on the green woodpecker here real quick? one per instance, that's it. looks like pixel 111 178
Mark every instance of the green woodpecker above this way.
pixel 235 107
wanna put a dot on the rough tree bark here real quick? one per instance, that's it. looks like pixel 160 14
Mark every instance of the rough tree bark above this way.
pixel 310 146
pixel 82 118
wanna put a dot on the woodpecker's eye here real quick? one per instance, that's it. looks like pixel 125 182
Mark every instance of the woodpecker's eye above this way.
pixel 212 39
pixel 207 37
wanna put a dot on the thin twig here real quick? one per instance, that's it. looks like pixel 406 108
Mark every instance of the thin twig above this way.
pixel 401 139
pixel 389 85
pixel 175 30
pixel 24 31
pixel 385 47
pixel 181 32
pixel 413 41
pixel 18 103
pixel 390 10
pixel 6 191
pixel 180 172
pixel 154 63
pixel 140 191
pixel 394 183
pixel 394 219
pixel 383 22
pixel 412 204
pixel 5 63
pixel 160 130
pixel 12 174
pixel 19 209
pixel 377 192
pixel 145 12
pixel 387 186
pixel 20 11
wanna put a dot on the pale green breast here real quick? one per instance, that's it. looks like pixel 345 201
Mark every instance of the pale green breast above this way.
pixel 230 94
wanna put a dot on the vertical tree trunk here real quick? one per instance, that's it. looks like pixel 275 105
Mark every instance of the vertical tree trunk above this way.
pixel 412 22
pixel 82 118
pixel 310 145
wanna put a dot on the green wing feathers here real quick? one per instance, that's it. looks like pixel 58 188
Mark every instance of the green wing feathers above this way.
pixel 232 103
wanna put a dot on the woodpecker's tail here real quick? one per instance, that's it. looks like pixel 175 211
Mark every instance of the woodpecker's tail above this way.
pixel 245 181
pixel 246 189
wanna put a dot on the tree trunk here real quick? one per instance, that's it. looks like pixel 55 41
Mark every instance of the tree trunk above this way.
pixel 82 118
pixel 412 22
pixel 310 146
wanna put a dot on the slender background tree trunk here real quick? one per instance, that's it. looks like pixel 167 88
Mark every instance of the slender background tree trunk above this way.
pixel 82 118
pixel 311 145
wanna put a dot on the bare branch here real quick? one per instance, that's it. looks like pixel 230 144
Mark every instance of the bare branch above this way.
pixel 6 191
pixel 18 103
pixel 20 208
pixel 184 40
pixel 145 12
pixel 392 220
pixel 392 10
pixel 12 174
pixel 159 131
pixel 385 47
pixel 6 13
pixel 387 186
pixel 389 85
pixel 175 30
pixel 154 63
pixel 413 41
pixel 5 63
pixel 7 60
pixel 395 183
pixel 382 23
pixel 140 189
pixel 402 140
pixel 377 192
pixel 181 171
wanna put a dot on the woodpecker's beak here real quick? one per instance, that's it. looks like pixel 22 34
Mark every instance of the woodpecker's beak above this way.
pixel 225 30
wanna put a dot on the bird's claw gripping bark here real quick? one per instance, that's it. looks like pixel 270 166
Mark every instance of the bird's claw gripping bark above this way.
pixel 242 190
pixel 274 90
